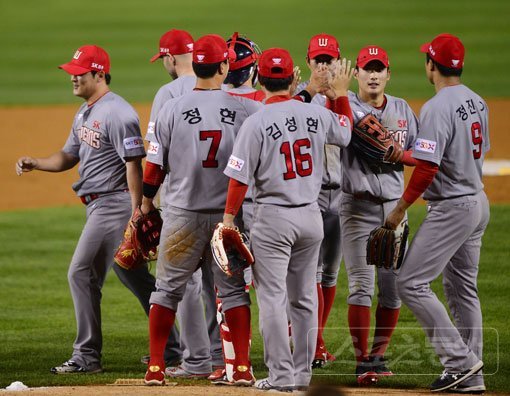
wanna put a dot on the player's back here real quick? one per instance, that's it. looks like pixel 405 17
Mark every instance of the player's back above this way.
pixel 460 118
pixel 201 128
pixel 291 137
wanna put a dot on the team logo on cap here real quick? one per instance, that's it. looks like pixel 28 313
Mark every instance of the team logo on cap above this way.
pixel 455 62
pixel 190 46
pixel 373 51
pixel 77 55
pixel 431 50
pixel 164 50
pixel 200 58
pixel 323 42
pixel 97 66
pixel 277 61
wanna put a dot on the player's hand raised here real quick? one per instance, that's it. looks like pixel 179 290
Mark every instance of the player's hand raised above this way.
pixel 296 80
pixel 25 164
pixel 340 79
pixel 318 79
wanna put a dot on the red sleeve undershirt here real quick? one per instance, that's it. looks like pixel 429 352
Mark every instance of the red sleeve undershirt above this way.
pixel 340 106
pixel 408 160
pixel 421 178
pixel 153 174
pixel 235 196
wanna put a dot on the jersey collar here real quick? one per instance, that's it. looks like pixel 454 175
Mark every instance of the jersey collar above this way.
pixel 278 98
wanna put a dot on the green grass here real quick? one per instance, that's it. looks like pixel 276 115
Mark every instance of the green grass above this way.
pixel 37 325
pixel 33 45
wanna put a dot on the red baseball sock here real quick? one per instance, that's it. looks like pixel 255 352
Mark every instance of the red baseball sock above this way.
pixel 385 322
pixel 161 320
pixel 239 322
pixel 320 312
pixel 329 298
pixel 359 325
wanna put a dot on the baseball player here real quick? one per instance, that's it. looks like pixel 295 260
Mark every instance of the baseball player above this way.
pixel 194 135
pixel 450 150
pixel 242 75
pixel 277 150
pixel 370 191
pixel 323 49
pixel 200 347
pixel 105 139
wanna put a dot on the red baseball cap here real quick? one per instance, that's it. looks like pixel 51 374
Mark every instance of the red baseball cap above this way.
pixel 211 48
pixel 370 53
pixel 323 44
pixel 276 63
pixel 447 50
pixel 174 42
pixel 87 58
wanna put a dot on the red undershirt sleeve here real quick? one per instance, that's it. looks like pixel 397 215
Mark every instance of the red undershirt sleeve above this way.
pixel 235 196
pixel 153 176
pixel 340 106
pixel 421 178
pixel 408 160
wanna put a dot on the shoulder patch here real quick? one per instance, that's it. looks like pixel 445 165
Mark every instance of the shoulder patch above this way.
pixel 133 142
pixel 425 146
pixel 153 148
pixel 235 163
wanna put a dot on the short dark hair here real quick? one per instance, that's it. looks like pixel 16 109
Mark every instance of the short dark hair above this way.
pixel 107 76
pixel 276 84
pixel 323 58
pixel 445 71
pixel 206 70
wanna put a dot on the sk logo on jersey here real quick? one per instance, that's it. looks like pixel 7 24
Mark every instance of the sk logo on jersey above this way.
pixel 425 146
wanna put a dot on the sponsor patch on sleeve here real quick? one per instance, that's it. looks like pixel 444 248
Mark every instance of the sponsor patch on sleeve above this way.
pixel 343 120
pixel 425 146
pixel 133 142
pixel 235 163
pixel 151 127
pixel 153 148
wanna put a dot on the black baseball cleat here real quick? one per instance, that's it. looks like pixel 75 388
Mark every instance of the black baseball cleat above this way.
pixel 448 380
pixel 379 366
pixel 365 373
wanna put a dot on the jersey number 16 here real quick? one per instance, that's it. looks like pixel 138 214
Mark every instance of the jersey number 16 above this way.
pixel 303 161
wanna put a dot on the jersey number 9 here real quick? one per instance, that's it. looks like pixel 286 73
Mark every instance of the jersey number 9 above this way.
pixel 303 161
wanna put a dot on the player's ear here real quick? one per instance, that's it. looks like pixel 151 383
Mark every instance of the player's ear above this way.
pixel 100 76
pixel 356 72
pixel 223 69
pixel 389 75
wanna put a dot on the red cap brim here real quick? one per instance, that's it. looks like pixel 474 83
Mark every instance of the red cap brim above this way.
pixel 425 48
pixel 366 61
pixel 156 57
pixel 314 54
pixel 73 69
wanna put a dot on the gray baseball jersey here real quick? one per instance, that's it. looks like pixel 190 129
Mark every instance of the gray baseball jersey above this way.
pixel 173 89
pixel 454 135
pixel 280 150
pixel 198 125
pixel 357 176
pixel 103 136
pixel 290 137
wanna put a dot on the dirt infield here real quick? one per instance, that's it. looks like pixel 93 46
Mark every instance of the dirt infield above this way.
pixel 40 131
pixel 192 391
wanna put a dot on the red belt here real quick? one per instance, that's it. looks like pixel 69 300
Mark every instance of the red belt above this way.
pixel 86 199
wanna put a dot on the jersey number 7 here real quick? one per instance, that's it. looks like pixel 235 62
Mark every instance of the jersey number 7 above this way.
pixel 215 136
pixel 303 161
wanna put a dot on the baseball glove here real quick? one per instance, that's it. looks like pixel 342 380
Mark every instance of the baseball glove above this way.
pixel 230 250
pixel 386 248
pixel 373 141
pixel 141 240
